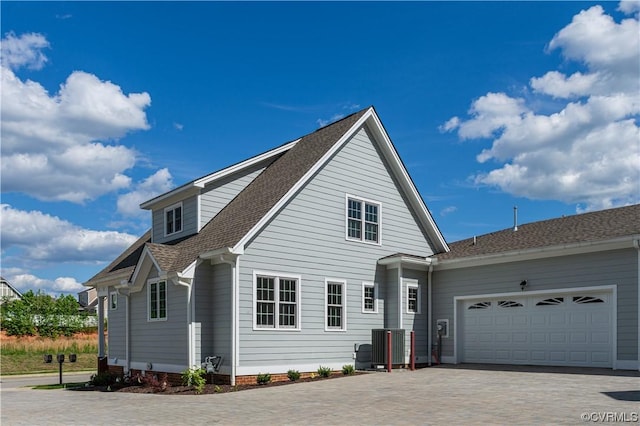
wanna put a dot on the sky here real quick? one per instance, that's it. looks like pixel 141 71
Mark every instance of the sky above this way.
pixel 491 105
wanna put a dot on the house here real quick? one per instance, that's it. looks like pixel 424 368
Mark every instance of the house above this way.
pixel 8 292
pixel 284 261
pixel 561 292
pixel 293 258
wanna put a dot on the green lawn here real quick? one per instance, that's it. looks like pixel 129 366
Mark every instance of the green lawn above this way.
pixel 31 363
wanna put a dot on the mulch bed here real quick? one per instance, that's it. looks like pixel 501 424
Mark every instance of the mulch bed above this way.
pixel 208 389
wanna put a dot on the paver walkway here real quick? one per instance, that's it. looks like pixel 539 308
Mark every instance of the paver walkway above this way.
pixel 438 396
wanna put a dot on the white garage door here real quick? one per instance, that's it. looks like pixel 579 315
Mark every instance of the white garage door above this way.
pixel 560 329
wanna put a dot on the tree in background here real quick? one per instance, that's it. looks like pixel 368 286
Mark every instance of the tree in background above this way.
pixel 39 313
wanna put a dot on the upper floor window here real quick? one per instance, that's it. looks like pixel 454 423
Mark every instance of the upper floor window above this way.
pixel 277 301
pixel 363 220
pixel 173 219
pixel 157 300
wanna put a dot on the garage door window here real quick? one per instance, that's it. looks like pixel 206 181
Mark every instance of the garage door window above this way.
pixel 509 304
pixel 551 302
pixel 480 305
pixel 586 299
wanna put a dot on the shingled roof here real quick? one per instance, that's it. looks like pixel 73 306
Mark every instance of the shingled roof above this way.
pixel 587 227
pixel 126 262
pixel 242 213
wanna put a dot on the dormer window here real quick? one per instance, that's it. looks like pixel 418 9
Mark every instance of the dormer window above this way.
pixel 363 220
pixel 173 219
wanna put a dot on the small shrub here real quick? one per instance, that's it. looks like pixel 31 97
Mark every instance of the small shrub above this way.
pixel 293 375
pixel 103 379
pixel 217 389
pixel 263 379
pixel 194 377
pixel 157 384
pixel 348 370
pixel 324 371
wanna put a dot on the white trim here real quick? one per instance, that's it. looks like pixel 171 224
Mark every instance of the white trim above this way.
pixel 536 253
pixel 156 281
pixel 283 368
pixel 636 244
pixel 198 212
pixel 613 289
pixel 343 283
pixel 145 253
pixel 117 361
pixel 158 367
pixel 363 202
pixel 173 208
pixel 412 283
pixel 404 179
pixel 375 297
pixel 295 188
pixel 277 276
pixel 197 184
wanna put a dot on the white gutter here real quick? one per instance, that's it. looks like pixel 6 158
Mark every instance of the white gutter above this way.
pixel 636 244
pixel 400 296
pixel 181 280
pixel 430 316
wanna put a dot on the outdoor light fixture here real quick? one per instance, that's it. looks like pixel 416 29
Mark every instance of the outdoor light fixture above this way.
pixel 523 284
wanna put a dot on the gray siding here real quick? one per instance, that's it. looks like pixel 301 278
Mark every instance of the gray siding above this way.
pixel 416 322
pixel 307 238
pixel 203 315
pixel 189 221
pixel 116 323
pixel 218 194
pixel 160 341
pixel 221 312
pixel 391 316
pixel 617 267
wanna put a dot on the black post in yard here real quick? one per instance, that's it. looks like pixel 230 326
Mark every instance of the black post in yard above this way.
pixel 60 364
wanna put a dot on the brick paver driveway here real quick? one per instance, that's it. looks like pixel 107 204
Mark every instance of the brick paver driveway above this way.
pixel 438 396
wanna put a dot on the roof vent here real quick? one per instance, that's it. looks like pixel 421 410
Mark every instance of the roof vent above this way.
pixel 515 218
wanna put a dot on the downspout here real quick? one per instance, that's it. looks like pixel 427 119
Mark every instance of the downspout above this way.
pixel 235 279
pixel 190 329
pixel 636 244
pixel 400 296
pixel 127 313
pixel 430 316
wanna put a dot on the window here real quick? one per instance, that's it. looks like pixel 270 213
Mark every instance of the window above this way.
pixel 277 301
pixel 363 220
pixel 157 298
pixel 509 304
pixel 553 301
pixel 369 300
pixel 113 301
pixel 480 305
pixel 335 305
pixel 413 298
pixel 586 299
pixel 173 219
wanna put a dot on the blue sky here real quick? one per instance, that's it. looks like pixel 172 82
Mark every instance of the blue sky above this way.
pixel 489 104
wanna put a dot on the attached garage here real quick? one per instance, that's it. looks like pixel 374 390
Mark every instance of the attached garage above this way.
pixel 561 329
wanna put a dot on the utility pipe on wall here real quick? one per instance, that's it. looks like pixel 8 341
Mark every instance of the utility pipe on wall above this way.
pixel 430 315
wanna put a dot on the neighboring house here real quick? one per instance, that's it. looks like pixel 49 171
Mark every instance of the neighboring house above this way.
pixel 562 292
pixel 8 292
pixel 284 261
pixel 88 301
pixel 289 260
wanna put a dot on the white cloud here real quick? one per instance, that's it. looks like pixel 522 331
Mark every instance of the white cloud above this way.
pixel 587 152
pixel 158 183
pixel 44 238
pixel 23 51
pixel 24 282
pixel 53 146
pixel 178 126
pixel 448 210
pixel 629 6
